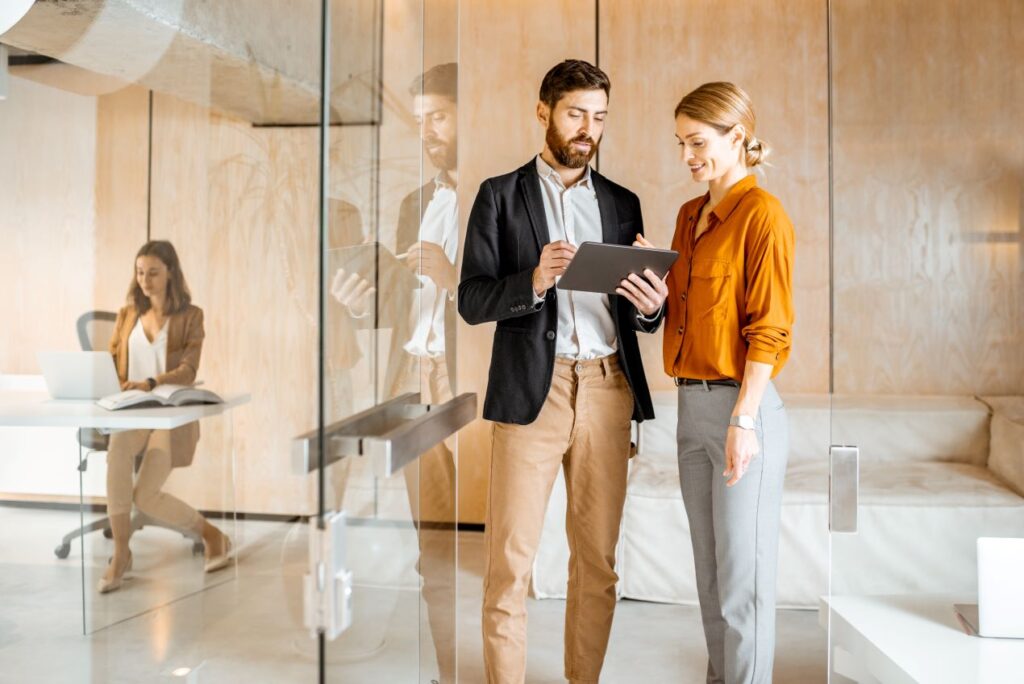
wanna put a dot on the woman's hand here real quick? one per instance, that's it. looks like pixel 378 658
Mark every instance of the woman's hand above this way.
pixel 144 386
pixel 740 449
pixel 646 293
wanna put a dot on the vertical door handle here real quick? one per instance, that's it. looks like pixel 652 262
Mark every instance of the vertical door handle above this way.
pixel 843 488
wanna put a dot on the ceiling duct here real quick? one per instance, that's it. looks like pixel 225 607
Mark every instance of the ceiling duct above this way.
pixel 252 59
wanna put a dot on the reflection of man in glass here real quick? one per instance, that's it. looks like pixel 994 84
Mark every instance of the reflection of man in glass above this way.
pixel 422 345
pixel 345 229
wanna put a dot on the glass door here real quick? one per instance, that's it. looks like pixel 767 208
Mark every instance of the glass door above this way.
pixel 927 373
pixel 388 405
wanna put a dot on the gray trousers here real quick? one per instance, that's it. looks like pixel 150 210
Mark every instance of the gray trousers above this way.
pixel 734 530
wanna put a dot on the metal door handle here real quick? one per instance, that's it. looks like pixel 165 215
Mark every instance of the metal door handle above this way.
pixel 393 433
pixel 843 488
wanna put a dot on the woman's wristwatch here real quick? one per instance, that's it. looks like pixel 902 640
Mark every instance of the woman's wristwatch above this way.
pixel 151 382
pixel 742 422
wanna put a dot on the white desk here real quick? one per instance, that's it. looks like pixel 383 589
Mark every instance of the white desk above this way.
pixel 915 639
pixel 27 408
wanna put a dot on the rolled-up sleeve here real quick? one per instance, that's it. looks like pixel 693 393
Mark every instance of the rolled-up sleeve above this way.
pixel 769 293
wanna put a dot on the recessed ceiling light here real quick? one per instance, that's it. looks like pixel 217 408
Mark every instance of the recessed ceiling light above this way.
pixel 181 671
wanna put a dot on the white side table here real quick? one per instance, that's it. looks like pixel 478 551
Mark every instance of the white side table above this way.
pixel 914 639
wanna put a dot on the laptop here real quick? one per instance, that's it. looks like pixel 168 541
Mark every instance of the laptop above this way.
pixel 1000 608
pixel 79 374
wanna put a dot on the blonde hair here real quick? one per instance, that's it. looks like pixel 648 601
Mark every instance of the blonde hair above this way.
pixel 722 106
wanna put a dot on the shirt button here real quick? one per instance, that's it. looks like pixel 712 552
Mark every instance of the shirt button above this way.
pixel 680 331
pixel 579 367
pixel 683 296
pixel 550 334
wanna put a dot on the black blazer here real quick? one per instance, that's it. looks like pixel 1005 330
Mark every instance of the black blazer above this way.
pixel 506 233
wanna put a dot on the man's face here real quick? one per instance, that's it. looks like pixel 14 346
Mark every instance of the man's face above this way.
pixel 574 126
pixel 436 115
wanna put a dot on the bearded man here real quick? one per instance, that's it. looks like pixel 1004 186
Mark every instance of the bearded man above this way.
pixel 566 376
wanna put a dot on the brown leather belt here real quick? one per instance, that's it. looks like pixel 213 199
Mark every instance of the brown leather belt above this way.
pixel 690 381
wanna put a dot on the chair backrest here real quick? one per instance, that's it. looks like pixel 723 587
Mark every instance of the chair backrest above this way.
pixel 95 328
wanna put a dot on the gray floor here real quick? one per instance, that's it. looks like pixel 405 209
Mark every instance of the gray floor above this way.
pixel 245 624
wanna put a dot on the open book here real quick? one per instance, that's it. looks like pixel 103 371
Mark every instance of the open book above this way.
pixel 162 395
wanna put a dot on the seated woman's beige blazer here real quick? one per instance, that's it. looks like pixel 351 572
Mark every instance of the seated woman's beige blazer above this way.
pixel 184 347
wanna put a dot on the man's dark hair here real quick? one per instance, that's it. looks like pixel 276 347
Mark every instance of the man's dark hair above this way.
pixel 442 80
pixel 570 75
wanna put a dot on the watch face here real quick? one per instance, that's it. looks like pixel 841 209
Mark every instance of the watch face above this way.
pixel 745 422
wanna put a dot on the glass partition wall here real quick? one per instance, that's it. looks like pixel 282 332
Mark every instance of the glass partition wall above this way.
pixel 290 153
pixel 927 366
pixel 389 310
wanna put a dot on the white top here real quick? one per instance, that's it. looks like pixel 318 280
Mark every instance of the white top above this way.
pixel 586 329
pixel 146 359
pixel 440 225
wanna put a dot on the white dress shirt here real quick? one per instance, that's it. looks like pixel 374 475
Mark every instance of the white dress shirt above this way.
pixel 586 329
pixel 440 225
pixel 146 359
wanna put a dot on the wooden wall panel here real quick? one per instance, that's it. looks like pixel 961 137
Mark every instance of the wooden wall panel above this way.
pixel 240 205
pixel 48 259
pixel 657 51
pixel 122 154
pixel 929 271
pixel 929 197
pixel 504 51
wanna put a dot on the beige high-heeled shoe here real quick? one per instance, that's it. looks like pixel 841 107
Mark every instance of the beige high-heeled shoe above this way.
pixel 222 559
pixel 106 586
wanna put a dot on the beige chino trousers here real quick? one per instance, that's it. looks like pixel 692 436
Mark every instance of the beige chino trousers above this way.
pixel 146 490
pixel 584 428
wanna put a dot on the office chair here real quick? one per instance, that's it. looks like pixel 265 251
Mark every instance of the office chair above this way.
pixel 95 328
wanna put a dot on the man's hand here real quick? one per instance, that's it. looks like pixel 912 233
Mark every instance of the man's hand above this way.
pixel 554 259
pixel 429 259
pixel 740 449
pixel 648 292
pixel 144 386
pixel 352 291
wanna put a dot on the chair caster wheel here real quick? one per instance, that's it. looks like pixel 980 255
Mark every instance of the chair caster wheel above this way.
pixel 108 533
pixel 62 551
pixel 197 548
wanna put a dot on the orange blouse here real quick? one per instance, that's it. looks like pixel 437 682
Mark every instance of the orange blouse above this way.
pixel 730 294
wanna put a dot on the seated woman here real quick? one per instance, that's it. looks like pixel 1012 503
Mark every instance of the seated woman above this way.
pixel 157 340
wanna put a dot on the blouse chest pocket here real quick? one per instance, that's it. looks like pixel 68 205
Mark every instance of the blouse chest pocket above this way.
pixel 710 288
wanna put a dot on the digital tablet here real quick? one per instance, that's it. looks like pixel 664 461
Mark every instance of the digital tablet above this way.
pixel 599 267
pixel 374 263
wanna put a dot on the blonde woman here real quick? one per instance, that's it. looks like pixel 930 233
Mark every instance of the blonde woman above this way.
pixel 728 327
pixel 158 338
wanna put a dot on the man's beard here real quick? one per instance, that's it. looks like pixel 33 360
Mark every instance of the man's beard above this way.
pixel 563 151
pixel 444 159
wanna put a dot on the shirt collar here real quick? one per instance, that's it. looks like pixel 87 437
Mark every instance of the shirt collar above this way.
pixel 443 181
pixel 546 171
pixel 733 197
